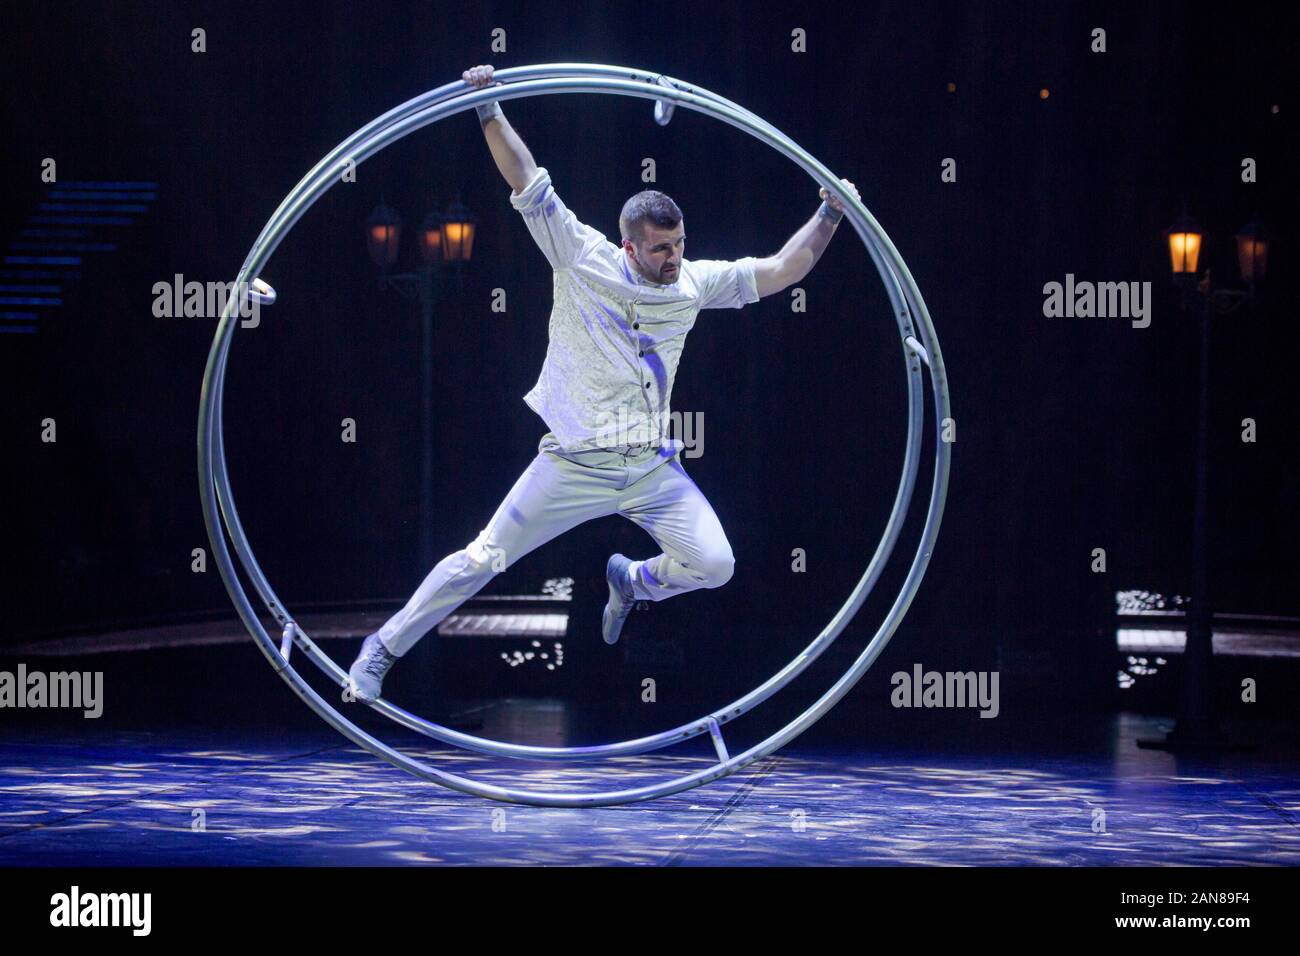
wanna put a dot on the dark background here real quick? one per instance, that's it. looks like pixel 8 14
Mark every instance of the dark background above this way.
pixel 1072 434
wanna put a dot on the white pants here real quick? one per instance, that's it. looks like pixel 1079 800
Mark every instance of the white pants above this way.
pixel 560 490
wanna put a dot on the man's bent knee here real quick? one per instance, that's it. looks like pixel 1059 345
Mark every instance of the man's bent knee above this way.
pixel 714 572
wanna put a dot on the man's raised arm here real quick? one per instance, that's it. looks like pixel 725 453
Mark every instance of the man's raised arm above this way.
pixel 561 236
pixel 804 248
pixel 511 155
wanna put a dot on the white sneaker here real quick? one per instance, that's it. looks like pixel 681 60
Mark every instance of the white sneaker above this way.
pixel 621 598
pixel 366 676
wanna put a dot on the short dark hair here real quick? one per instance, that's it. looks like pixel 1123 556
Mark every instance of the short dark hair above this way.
pixel 649 205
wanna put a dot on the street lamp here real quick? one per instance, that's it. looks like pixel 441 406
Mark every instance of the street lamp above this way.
pixel 383 232
pixel 431 239
pixel 1184 238
pixel 458 225
pixel 1196 728
pixel 443 238
pixel 1252 252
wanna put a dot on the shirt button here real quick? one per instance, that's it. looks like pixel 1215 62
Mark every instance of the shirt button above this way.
pixel 647 384
pixel 636 325
pixel 642 352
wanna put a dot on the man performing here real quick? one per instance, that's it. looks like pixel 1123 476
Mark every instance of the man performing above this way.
pixel 618 323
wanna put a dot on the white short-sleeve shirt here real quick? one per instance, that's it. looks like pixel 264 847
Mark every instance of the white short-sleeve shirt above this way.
pixel 615 338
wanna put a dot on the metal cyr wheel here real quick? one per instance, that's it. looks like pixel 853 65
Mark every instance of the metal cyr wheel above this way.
pixel 919 349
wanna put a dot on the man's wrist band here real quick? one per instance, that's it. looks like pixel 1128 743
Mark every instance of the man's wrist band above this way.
pixel 832 214
pixel 489 111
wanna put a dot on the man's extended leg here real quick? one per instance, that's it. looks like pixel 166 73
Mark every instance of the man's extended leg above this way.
pixel 549 498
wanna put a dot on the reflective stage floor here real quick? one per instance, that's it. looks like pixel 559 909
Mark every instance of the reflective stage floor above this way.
pixel 89 797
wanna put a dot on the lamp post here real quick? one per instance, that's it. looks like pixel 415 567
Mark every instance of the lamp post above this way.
pixel 444 238
pixel 1196 727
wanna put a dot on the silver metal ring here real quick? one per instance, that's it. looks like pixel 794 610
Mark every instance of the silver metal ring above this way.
pixel 221 517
